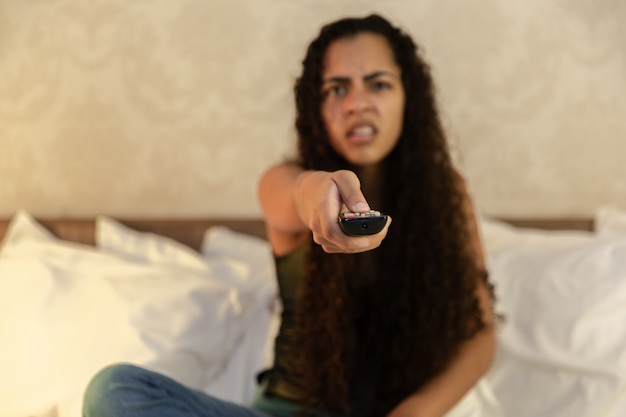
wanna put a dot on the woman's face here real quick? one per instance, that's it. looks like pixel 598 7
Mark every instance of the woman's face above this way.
pixel 363 98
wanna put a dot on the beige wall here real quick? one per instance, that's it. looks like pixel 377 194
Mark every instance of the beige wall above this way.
pixel 175 107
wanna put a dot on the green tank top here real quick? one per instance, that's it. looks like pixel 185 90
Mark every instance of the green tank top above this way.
pixel 278 387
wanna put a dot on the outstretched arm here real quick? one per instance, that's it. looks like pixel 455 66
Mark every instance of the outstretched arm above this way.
pixel 297 202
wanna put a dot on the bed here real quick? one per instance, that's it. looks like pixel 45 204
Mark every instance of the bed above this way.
pixel 196 299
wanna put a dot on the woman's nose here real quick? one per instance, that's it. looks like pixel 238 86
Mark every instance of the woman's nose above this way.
pixel 357 101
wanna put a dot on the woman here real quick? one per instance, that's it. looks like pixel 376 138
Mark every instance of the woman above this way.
pixel 395 324
pixel 404 327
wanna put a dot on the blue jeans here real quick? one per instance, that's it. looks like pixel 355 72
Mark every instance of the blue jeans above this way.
pixel 129 391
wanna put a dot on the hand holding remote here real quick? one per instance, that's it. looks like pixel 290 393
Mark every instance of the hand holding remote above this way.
pixel 319 196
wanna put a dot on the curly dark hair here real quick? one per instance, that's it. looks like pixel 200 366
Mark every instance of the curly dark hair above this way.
pixel 375 327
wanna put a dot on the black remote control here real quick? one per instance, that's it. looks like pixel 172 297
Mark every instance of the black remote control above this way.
pixel 362 224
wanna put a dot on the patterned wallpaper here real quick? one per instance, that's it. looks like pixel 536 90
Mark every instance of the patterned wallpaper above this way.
pixel 175 107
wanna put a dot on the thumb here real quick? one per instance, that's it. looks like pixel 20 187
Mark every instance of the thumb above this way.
pixel 349 188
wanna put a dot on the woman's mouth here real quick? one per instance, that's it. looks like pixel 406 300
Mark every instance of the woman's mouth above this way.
pixel 361 134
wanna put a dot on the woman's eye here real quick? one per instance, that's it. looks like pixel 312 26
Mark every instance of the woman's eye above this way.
pixel 380 85
pixel 336 90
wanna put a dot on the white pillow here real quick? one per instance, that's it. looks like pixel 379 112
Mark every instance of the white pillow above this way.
pixel 238 383
pixel 223 243
pixel 498 237
pixel 610 221
pixel 241 261
pixel 561 350
pixel 67 310
pixel 113 237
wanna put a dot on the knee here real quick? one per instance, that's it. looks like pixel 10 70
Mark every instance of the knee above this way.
pixel 100 397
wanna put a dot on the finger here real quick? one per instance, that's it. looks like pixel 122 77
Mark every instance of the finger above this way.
pixel 338 242
pixel 347 245
pixel 330 248
pixel 349 188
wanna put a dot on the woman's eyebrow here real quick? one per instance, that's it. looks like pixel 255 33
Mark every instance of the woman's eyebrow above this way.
pixel 337 80
pixel 377 74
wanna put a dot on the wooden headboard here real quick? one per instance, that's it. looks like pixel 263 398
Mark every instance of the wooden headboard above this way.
pixel 191 231
pixel 187 231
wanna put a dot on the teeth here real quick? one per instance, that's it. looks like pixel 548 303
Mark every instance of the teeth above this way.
pixel 363 130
